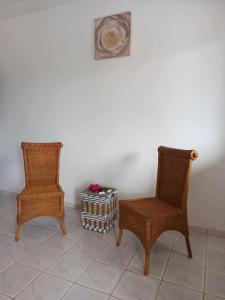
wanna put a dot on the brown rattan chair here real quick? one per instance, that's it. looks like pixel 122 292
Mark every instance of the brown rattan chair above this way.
pixel 42 195
pixel 147 218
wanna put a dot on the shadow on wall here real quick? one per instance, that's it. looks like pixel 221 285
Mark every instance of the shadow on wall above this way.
pixel 121 173
pixel 207 196
pixel 206 203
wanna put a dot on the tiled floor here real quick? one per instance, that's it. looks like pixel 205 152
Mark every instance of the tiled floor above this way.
pixel 45 265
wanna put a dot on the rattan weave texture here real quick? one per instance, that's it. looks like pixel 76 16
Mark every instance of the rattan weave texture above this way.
pixel 147 218
pixel 42 195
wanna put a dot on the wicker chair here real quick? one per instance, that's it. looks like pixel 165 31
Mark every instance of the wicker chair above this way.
pixel 42 195
pixel 147 218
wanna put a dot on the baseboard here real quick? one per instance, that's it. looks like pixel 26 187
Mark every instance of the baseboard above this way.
pixel 198 229
pixel 4 192
pixel 216 232
pixel 72 205
pixel 194 228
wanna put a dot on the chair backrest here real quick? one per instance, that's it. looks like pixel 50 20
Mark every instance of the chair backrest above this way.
pixel 174 170
pixel 41 163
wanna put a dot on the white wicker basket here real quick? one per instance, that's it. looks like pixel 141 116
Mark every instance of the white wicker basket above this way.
pixel 99 210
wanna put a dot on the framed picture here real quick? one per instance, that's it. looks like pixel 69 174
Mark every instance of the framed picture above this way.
pixel 112 36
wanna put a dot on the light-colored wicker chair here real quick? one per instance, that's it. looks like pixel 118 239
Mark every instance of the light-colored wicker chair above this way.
pixel 147 218
pixel 42 195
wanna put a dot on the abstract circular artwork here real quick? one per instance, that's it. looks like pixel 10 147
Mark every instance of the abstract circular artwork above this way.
pixel 112 36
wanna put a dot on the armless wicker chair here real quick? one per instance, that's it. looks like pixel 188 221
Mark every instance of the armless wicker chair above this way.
pixel 42 195
pixel 147 218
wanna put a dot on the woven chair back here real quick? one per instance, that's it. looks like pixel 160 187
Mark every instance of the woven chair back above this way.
pixel 174 170
pixel 41 163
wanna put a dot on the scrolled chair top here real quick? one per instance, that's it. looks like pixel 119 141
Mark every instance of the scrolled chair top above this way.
pixel 188 154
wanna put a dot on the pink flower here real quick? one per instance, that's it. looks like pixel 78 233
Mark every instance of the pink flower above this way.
pixel 94 187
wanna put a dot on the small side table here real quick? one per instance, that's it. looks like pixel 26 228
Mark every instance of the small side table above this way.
pixel 99 210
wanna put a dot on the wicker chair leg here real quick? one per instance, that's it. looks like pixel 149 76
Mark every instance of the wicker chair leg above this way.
pixel 188 245
pixel 62 225
pixel 18 231
pixel 120 235
pixel 147 260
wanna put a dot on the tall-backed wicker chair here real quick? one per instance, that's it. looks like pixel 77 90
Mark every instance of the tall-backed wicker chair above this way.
pixel 42 195
pixel 147 218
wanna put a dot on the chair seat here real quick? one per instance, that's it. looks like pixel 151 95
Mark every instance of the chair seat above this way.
pixel 47 190
pixel 149 208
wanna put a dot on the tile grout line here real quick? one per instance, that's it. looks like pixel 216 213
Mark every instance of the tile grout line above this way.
pixel 109 241
pixel 95 259
pixel 206 253
pixel 7 296
pixel 125 270
pixel 17 262
pixel 168 259
pixel 41 271
pixel 31 267
pixel 58 258
pixel 14 297
pixel 90 288
pixel 63 253
pixel 91 262
pixel 66 292
pixel 45 241
pixel 183 286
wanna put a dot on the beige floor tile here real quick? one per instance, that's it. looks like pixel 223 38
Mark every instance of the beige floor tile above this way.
pixel 4 264
pixel 107 237
pixel 170 291
pixel 63 242
pixel 116 256
pixel 216 242
pixel 16 278
pixel 5 239
pixel 45 287
pixel 100 277
pixel 38 234
pixel 72 225
pixel 8 227
pixel 82 293
pixel 186 275
pixel 134 286
pixel 89 246
pixel 17 249
pixel 198 238
pixel 162 246
pixel 2 297
pixel 47 222
pixel 180 253
pixel 41 258
pixel 157 264
pixel 69 267
pixel 93 260
pixel 210 297
pixel 215 283
pixel 168 237
pixel 8 205
pixel 216 259
pixel 129 240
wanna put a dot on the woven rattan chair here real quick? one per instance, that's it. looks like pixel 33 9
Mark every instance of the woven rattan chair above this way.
pixel 147 218
pixel 42 195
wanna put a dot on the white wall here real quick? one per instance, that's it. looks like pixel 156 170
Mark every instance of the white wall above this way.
pixel 112 115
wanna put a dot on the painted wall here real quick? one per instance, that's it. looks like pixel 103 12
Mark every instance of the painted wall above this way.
pixel 112 115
